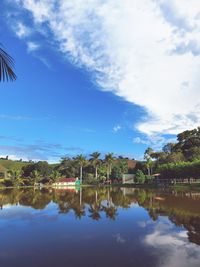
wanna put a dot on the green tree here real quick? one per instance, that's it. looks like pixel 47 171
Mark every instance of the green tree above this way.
pixel 43 168
pixel 6 66
pixel 109 159
pixel 139 177
pixel 147 156
pixel 193 153
pixel 119 168
pixel 187 141
pixel 82 162
pixel 28 169
pixel 54 176
pixel 123 165
pixel 95 162
pixel 36 177
pixel 175 157
pixel 68 167
pixel 16 177
pixel 169 148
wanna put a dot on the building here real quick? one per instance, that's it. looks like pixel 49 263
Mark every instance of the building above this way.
pixel 128 178
pixel 66 182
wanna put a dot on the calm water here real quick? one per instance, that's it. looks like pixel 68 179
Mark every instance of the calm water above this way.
pixel 99 228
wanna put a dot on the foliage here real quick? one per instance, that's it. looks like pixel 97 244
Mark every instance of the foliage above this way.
pixel 119 168
pixel 149 178
pixel 187 148
pixel 16 177
pixel 180 170
pixel 6 67
pixel 95 162
pixel 54 176
pixel 148 157
pixel 67 167
pixel 35 177
pixel 178 160
pixel 90 179
pixel 41 167
pixel 92 171
pixel 109 159
pixel 139 177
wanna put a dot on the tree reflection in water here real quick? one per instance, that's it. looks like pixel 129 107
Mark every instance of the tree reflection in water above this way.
pixel 182 208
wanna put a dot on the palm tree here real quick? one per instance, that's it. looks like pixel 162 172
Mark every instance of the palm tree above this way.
pixel 123 165
pixel 81 161
pixel 147 156
pixel 36 177
pixel 6 67
pixel 15 176
pixel 109 161
pixel 95 161
pixel 54 176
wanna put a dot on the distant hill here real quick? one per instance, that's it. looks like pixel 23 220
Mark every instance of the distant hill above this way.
pixel 17 165
pixel 12 164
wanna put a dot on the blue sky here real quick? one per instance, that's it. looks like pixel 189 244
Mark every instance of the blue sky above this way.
pixel 89 80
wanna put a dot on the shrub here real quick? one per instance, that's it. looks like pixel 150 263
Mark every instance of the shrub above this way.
pixel 180 170
pixel 139 177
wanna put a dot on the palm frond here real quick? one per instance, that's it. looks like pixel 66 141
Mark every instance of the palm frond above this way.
pixel 6 67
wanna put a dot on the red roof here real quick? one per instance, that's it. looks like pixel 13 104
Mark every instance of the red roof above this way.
pixel 131 163
pixel 67 180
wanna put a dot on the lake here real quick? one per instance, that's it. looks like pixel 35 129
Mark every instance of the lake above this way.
pixel 99 227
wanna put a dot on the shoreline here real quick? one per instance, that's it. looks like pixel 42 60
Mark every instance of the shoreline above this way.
pixel 177 186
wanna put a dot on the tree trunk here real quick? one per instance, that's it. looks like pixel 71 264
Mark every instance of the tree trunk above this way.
pixel 110 168
pixel 81 174
pixel 96 174
pixel 108 172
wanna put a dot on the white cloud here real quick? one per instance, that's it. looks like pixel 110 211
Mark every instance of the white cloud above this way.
pixel 145 51
pixel 117 128
pixel 38 151
pixel 12 157
pixel 119 238
pixel 173 247
pixel 32 46
pixel 22 30
pixel 154 141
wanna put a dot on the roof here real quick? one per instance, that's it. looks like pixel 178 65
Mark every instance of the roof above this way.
pixel 131 164
pixel 66 180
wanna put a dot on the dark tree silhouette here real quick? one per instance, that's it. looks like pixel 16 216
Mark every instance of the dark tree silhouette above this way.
pixel 6 67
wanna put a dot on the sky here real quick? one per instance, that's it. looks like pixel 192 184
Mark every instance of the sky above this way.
pixel 98 75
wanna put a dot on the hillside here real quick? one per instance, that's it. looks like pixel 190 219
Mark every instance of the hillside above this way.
pixel 12 164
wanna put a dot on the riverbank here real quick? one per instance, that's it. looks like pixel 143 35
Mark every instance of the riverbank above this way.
pixel 178 187
pixel 194 187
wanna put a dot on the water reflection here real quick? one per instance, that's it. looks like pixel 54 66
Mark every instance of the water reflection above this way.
pixel 132 227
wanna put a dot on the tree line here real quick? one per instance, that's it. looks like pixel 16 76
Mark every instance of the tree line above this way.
pixel 90 170
pixel 180 159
